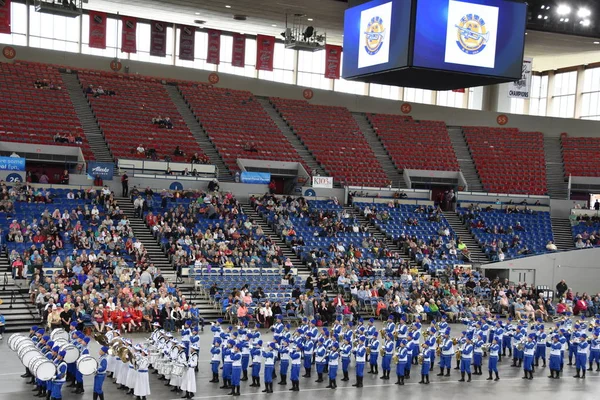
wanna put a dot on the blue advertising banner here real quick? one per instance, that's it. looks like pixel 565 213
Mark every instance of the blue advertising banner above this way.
pixel 103 170
pixel 256 177
pixel 12 164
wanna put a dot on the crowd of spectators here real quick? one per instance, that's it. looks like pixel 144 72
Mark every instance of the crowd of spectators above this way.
pixel 163 122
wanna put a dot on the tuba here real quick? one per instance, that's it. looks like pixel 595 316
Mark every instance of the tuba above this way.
pixel 101 338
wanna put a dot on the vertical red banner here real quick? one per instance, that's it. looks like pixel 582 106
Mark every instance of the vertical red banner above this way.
pixel 265 51
pixel 4 16
pixel 158 39
pixel 97 30
pixel 187 42
pixel 238 52
pixel 333 60
pixel 213 52
pixel 128 36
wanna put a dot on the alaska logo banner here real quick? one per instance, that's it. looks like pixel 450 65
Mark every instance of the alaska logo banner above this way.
pixel 158 39
pixel 129 34
pixel 5 16
pixel 238 52
pixel 187 42
pixel 103 170
pixel 333 61
pixel 265 50
pixel 213 51
pixel 97 30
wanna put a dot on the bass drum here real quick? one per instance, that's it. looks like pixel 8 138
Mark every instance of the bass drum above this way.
pixel 59 333
pixel 72 352
pixel 43 369
pixel 15 339
pixel 30 355
pixel 87 365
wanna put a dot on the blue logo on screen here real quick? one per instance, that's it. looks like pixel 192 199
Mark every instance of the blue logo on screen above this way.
pixel 472 34
pixel 374 35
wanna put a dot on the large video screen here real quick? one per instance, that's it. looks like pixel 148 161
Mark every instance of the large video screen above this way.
pixel 376 37
pixel 483 37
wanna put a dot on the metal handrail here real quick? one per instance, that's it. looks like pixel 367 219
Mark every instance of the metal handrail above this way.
pixel 12 299
pixel 5 281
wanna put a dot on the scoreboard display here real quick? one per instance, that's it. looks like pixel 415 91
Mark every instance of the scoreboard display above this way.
pixel 406 41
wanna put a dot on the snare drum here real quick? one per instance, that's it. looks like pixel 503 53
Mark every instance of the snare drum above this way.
pixel 43 369
pixel 178 369
pixel 87 365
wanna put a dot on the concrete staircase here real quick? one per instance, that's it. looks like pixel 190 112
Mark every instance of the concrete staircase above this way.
pixel 303 270
pixel 294 140
pixel 555 172
pixel 88 120
pixel 16 306
pixel 563 236
pixel 461 231
pixel 390 169
pixel 465 162
pixel 199 133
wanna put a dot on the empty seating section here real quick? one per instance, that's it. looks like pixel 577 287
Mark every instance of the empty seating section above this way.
pixel 415 144
pixel 427 230
pixel 507 160
pixel 126 118
pixel 238 125
pixel 335 140
pixel 489 228
pixel 31 115
pixel 579 155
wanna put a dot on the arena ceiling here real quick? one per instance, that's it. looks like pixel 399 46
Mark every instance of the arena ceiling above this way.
pixel 268 17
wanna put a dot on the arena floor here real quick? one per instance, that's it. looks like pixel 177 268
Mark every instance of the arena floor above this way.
pixel 13 387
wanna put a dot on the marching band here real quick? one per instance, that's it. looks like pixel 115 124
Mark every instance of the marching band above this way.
pixel 59 357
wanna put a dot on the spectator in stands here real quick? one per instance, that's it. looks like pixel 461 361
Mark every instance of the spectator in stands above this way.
pixel 40 84
pixel 15 155
pixel 168 124
pixel 125 184
pixel 551 246
pixel 580 244
pixel 178 152
pixel 213 186
pixel 561 288
pixel 17 268
pixel 64 179
pixel 141 150
pixel 597 205
pixel 195 159
pixel 169 171
pixel 89 89
pixel 99 92
pixel 44 178
pixel 78 139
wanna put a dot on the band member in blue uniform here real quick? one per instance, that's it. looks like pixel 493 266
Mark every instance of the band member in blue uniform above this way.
pixel 345 354
pixel 295 358
pixel 594 351
pixel 386 361
pixel 82 342
pixel 100 374
pixel 236 369
pixel 466 357
pixel 403 360
pixel 374 356
pixel 61 375
pixel 528 353
pixel 447 352
pixel 227 364
pixel 555 357
pixel 320 359
pixel 215 359
pixel 426 366
pixel 494 352
pixel 540 349
pixel 359 354
pixel 581 359
pixel 284 361
pixel 269 357
pixel 478 354
pixel 333 360
pixel 308 349
pixel 256 354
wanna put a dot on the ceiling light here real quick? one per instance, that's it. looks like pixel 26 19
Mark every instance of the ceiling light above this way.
pixel 562 20
pixel 546 17
pixel 310 19
pixel 540 16
pixel 227 6
pixel 563 9
pixel 274 25
pixel 543 7
pixel 586 22
pixel 584 13
pixel 596 42
pixel 197 13
pixel 566 19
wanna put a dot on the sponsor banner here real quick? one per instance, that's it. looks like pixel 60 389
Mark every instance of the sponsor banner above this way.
pixel 263 178
pixel 325 182
pixel 265 50
pixel 12 164
pixel 129 34
pixel 5 16
pixel 97 30
pixel 103 170
pixel 213 51
pixel 238 56
pixel 187 42
pixel 158 39
pixel 333 60
pixel 458 90
pixel 520 89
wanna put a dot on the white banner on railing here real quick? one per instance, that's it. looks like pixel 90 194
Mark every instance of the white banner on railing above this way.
pixel 325 182
pixel 520 89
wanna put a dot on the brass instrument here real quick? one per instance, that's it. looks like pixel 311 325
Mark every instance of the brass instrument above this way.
pixel 458 354
pixel 426 335
pixel 382 333
pixel 520 346
pixel 454 341
pixel 439 340
pixel 382 352
pixel 438 351
pixel 591 325
pixel 420 359
pixel 395 359
pixel 486 347
pixel 395 335
pixel 368 350
pixel 101 338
